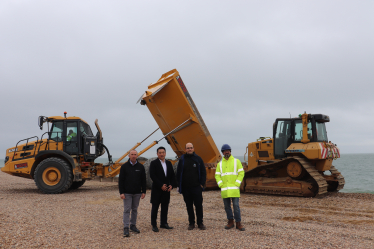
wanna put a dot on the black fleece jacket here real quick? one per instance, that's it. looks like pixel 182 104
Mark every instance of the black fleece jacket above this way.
pixel 199 166
pixel 132 179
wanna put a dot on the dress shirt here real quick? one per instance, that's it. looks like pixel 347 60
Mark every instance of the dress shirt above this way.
pixel 164 166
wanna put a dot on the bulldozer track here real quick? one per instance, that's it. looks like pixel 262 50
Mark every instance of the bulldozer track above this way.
pixel 317 177
pixel 319 183
pixel 340 178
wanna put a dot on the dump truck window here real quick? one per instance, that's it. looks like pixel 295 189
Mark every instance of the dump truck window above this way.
pixel 85 129
pixel 299 130
pixel 56 131
pixel 71 130
pixel 71 144
pixel 321 132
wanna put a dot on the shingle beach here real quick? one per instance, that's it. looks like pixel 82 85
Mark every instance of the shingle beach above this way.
pixel 91 217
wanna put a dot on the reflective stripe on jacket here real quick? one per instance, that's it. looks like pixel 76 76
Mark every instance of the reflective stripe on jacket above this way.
pixel 229 175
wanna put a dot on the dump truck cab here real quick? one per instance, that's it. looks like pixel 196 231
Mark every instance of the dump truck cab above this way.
pixel 75 135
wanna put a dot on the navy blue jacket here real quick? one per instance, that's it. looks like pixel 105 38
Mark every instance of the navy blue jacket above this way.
pixel 200 166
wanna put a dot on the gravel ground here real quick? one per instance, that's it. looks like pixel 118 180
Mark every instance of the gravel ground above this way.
pixel 91 217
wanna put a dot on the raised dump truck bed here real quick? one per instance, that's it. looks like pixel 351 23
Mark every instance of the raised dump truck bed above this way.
pixel 172 107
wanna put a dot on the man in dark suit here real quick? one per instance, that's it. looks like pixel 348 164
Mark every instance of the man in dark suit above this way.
pixel 191 177
pixel 163 177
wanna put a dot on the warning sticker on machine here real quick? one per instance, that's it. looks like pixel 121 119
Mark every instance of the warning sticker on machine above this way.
pixel 92 149
pixel 251 155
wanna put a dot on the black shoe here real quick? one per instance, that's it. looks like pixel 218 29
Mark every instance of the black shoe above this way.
pixel 191 226
pixel 166 226
pixel 155 229
pixel 201 226
pixel 134 229
pixel 126 232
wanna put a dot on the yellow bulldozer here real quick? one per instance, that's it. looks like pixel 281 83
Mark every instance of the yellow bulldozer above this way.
pixel 295 160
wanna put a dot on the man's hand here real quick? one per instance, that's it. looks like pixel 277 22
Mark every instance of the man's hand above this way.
pixel 201 186
pixel 143 195
pixel 164 187
pixel 122 196
pixel 170 188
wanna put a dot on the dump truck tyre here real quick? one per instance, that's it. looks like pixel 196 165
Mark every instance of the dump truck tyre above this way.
pixel 147 175
pixel 53 176
pixel 76 185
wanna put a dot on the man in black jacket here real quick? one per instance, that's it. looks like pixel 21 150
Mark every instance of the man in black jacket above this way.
pixel 163 177
pixel 132 187
pixel 191 177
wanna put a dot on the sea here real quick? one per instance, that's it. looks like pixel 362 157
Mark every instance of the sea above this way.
pixel 357 169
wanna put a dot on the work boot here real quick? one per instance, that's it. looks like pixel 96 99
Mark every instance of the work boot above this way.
pixel 191 226
pixel 126 232
pixel 201 226
pixel 230 224
pixel 239 226
pixel 134 229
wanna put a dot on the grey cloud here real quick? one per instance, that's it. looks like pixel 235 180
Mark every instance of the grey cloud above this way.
pixel 245 64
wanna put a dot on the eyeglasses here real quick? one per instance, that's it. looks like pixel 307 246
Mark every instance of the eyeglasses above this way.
pixel 189 148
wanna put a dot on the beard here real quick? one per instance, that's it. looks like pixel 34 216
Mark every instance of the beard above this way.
pixel 227 156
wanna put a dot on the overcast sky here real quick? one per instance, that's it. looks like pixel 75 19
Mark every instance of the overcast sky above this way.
pixel 245 63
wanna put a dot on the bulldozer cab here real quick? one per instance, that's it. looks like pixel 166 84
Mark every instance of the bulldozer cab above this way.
pixel 290 130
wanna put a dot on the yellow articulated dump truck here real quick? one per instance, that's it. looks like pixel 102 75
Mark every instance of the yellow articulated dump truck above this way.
pixel 295 160
pixel 63 158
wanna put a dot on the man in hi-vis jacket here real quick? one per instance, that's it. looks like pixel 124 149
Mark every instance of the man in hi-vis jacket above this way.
pixel 229 176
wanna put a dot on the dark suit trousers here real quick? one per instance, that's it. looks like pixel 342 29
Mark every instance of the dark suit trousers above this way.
pixel 164 211
pixel 194 196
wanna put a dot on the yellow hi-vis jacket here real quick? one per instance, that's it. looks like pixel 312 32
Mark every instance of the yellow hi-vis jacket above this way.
pixel 229 176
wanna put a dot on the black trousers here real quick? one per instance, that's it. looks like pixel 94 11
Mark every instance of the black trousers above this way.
pixel 164 213
pixel 194 196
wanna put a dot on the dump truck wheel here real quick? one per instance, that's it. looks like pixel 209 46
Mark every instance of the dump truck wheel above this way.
pixel 146 167
pixel 53 176
pixel 76 185
pixel 295 170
